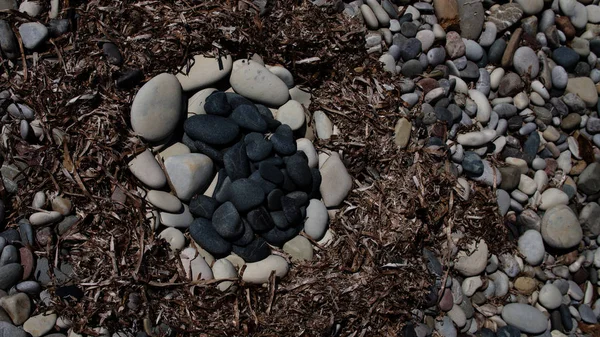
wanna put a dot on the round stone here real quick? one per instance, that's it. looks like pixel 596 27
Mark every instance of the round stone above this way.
pixel 292 114
pixel 40 325
pixel 227 222
pixel 550 297
pixel 531 246
pixel 560 228
pixel 174 238
pixel 526 61
pixel 157 108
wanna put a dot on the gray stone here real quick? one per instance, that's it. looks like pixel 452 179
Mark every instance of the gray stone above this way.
pixel 8 41
pixel 560 228
pixel 189 173
pixel 526 61
pixel 589 179
pixel 471 17
pixel 33 34
pixel 525 318
pixel 505 15
pixel 9 330
pixel 531 246
pixel 10 275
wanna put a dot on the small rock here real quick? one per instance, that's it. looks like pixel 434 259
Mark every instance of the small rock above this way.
pixel 260 272
pixel 33 34
pixel 560 227
pixel 188 173
pixel 40 325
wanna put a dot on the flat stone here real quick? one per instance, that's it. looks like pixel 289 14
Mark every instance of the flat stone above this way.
pixel 550 297
pixel 531 7
pixel 336 182
pixel 181 219
pixel 560 228
pixel 565 57
pixel 585 88
pixel 189 173
pixel 446 12
pixel 253 81
pixel 44 218
pixel 40 325
pixel 205 235
pixel 589 179
pixel 510 85
pixel 473 263
pixel 204 72
pixel 260 272
pixel 18 307
pixel 223 269
pixel 525 318
pixel 211 129
pixel 455 47
pixel 506 15
pixel 164 201
pixel 157 108
pixel 292 114
pixel 531 246
pixel 471 17
pixel 33 34
pixel 299 248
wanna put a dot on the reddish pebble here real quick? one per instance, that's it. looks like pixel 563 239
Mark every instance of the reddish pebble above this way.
pixel 551 166
pixel 27 262
pixel 446 302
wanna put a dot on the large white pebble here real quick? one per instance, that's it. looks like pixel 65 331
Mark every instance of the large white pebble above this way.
pixel 174 238
pixel 484 109
pixel 476 138
pixel 194 265
pixel 317 218
pixel 223 269
pixel 292 114
pixel 157 108
pixel 145 167
pixel 259 272
pixel 204 72
pixel 552 197
pixel 253 81
pixel 188 173
pixel 284 74
pixel 336 182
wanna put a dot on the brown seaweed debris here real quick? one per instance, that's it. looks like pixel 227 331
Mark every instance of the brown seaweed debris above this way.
pixel 365 283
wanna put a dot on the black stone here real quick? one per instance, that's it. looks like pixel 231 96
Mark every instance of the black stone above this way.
pixel 298 169
pixel 267 115
pixel 255 251
pixel 253 137
pixel 212 153
pixel 443 102
pixel 26 232
pixel 444 115
pixel 300 198
pixel 485 332
pixel 515 123
pixel 277 161
pixel 565 315
pixel 496 51
pixel 203 206
pixel 217 104
pixel 408 29
pixel 283 140
pixel 274 200
pixel 287 185
pixel 531 145
pixel 223 189
pixel 409 330
pixel 248 118
pixel 315 192
pixel 270 172
pixel 405 18
pixel 412 68
pixel 508 331
pixel 565 57
pixel 559 107
pixel 259 150
pixel 595 46
pixel 112 53
pixel 266 185
pixel 130 78
pixel 433 264
pixel 211 129
pixel 236 162
pixel 411 49
pixel 472 164
pixel 291 210
pixel 582 69
pixel 189 142
pixel 431 297
pixel 278 237
pixel 246 194
pixel 247 236
pixel 280 220
pixel 236 100
pixel 556 321
pixel 483 61
pixel 58 27
pixel 260 220
pixel 456 112
pixel 470 73
pixel 203 232
pixel 11 235
pixel 227 222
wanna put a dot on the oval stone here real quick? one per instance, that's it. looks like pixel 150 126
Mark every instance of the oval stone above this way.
pixel 163 200
pixel 560 228
pixel 253 81
pixel 260 272
pixel 204 72
pixel 157 108
pixel 525 318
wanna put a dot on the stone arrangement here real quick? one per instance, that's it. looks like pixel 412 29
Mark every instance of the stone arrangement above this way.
pixel 244 177
pixel 516 82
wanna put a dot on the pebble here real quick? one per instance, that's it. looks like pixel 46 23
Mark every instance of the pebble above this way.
pixel 475 263
pixel 526 62
pixel 531 246
pixel 211 129
pixel 292 114
pixel 253 81
pixel 369 17
pixel 525 318
pixel 196 268
pixel 506 15
pixel 550 296
pixel 315 225
pixel 164 201
pixel 18 307
pixel 174 238
pixel 44 218
pixel 259 272
pixel 336 182
pixel 7 329
pixel 560 227
pixel 33 34
pixel 157 108
pixel 552 197
pixel 188 173
pixel 585 88
pixel 40 325
pixel 204 72
pixel 299 248
pixel 223 269
pixel 323 125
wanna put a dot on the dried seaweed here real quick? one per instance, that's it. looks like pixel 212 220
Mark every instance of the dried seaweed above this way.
pixel 365 283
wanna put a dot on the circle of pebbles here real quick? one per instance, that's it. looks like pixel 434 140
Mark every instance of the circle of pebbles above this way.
pixel 237 172
pixel 510 90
